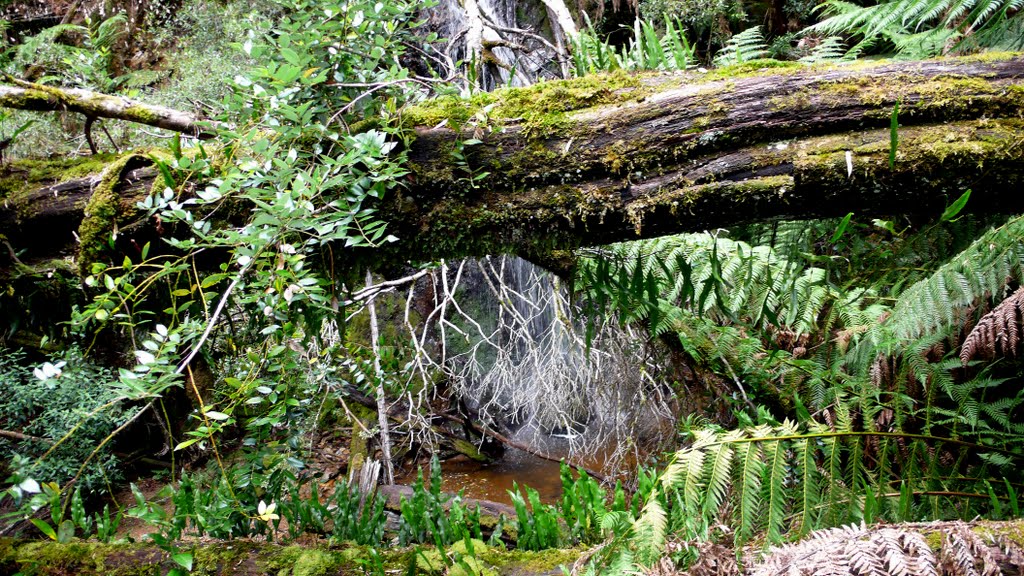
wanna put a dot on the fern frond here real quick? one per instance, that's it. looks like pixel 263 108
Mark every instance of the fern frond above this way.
pixel 998 333
pixel 775 452
pixel 719 473
pixel 810 493
pixel 924 27
pixel 831 49
pixel 743 47
pixel 650 529
pixel 107 32
pixel 751 471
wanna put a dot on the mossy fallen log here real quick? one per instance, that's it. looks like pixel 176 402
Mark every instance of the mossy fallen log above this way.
pixel 249 558
pixel 584 163
pixel 40 98
pixel 597 160
pixel 959 548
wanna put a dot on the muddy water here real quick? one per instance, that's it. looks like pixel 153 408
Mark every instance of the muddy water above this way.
pixel 494 481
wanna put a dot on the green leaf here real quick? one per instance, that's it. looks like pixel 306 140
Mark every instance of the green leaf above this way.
pixel 952 210
pixel 44 528
pixel 186 443
pixel 183 559
pixel 66 531
pixel 841 228
pixel 214 415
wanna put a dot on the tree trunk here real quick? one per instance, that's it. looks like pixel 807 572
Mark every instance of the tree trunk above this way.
pixel 40 98
pixel 670 154
pixel 595 161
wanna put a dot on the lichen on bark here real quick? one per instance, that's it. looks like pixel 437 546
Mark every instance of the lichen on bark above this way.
pixel 103 211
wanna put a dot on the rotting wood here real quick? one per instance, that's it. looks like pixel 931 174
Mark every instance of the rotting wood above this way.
pixel 40 98
pixel 678 154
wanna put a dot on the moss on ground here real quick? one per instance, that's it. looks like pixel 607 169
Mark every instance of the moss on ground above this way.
pixel 248 558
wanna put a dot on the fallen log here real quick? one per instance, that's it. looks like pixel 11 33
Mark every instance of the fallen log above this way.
pixel 592 161
pixel 39 98
pixel 248 558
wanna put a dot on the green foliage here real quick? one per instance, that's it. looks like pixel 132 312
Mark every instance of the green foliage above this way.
pixel 647 50
pixel 583 507
pixel 537 526
pixel 664 281
pixel 702 19
pixel 743 47
pixel 787 482
pixel 918 29
pixel 66 409
pixel 431 517
pixel 233 503
pixel 345 517
pixel 911 434
pixel 830 49
pixel 304 185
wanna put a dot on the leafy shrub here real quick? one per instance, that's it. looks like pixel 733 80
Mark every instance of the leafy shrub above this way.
pixel 68 397
pixel 432 517
pixel 537 526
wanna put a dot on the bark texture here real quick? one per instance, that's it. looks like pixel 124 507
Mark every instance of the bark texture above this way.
pixel 39 98
pixel 593 161
pixel 678 153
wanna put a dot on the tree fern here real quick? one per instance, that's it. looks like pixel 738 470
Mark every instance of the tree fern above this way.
pixel 790 480
pixel 743 47
pixel 928 27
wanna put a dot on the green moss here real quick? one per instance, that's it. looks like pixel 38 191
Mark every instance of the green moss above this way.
pixel 468 449
pixel 141 114
pixel 759 67
pixel 26 175
pixel 249 557
pixel 541 108
pixel 939 95
pixel 313 563
pixel 523 563
pixel 102 212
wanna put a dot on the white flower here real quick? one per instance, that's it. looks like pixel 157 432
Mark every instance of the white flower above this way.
pixel 266 512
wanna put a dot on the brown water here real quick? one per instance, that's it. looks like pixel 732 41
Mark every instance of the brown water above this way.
pixel 493 481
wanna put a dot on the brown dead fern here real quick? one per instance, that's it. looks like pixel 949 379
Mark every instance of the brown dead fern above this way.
pixel 900 550
pixel 998 332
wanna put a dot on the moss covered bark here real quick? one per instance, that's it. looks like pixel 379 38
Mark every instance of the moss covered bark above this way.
pixel 40 98
pixel 104 210
pixel 604 159
pixel 248 558
pixel 675 153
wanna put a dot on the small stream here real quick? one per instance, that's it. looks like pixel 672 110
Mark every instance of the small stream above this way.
pixel 494 481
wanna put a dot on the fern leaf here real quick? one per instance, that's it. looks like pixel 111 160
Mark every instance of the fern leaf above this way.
pixel 719 474
pixel 743 47
pixel 751 470
pixel 775 454
pixel 810 489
